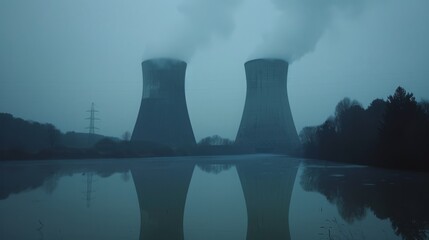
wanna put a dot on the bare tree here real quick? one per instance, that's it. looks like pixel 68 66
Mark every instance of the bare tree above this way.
pixel 126 136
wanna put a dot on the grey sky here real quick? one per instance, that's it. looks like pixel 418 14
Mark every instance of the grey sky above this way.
pixel 58 56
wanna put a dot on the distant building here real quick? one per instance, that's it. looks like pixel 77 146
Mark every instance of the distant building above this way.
pixel 163 117
pixel 267 124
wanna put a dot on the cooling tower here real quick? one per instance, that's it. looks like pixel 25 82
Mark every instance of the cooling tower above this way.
pixel 163 117
pixel 267 123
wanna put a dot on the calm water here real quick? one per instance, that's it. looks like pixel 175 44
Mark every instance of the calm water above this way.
pixel 204 198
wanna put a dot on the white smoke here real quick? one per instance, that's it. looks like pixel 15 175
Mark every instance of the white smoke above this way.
pixel 198 22
pixel 301 24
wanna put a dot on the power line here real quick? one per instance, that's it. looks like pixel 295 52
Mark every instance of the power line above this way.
pixel 92 120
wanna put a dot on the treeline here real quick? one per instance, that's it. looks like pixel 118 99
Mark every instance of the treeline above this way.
pixel 215 140
pixel 18 134
pixel 389 133
pixel 216 145
pixel 23 140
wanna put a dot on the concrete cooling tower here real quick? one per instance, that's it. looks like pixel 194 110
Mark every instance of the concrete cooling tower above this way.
pixel 267 123
pixel 163 117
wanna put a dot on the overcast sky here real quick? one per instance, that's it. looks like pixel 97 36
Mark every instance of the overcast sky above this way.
pixel 59 56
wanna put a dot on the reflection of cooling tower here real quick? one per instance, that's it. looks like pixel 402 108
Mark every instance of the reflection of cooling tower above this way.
pixel 267 122
pixel 163 117
pixel 161 191
pixel 267 187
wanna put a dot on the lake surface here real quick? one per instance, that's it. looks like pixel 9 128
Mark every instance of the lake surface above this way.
pixel 204 198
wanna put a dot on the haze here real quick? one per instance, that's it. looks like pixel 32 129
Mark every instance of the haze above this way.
pixel 57 57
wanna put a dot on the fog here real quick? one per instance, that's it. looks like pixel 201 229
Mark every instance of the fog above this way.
pixel 57 57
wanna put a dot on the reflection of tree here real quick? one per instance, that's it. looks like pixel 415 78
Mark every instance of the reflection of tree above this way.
pixel 400 197
pixel 16 178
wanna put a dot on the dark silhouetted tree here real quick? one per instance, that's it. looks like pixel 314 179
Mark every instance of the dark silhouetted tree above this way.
pixel 24 135
pixel 343 106
pixel 53 134
pixel 404 132
pixel 327 139
pixel 392 133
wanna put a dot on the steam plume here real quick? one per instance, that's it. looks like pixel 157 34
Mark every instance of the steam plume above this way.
pixel 301 24
pixel 200 21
